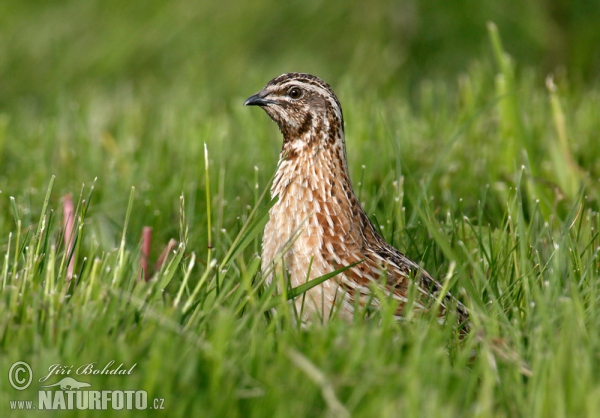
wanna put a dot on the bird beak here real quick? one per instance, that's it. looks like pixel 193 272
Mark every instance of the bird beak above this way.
pixel 257 100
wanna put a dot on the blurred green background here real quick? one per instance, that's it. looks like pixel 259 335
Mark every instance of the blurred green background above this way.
pixel 229 47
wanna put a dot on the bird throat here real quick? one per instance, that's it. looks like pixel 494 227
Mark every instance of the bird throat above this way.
pixel 314 161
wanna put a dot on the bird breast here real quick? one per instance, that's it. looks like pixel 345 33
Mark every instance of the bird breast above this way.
pixel 309 226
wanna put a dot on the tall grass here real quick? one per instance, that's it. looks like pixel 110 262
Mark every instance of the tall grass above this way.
pixel 489 180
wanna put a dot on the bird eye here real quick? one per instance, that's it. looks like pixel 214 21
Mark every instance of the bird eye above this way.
pixel 295 93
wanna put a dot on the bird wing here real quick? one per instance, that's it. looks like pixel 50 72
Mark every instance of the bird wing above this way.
pixel 401 278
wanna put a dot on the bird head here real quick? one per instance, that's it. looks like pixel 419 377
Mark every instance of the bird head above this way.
pixel 303 106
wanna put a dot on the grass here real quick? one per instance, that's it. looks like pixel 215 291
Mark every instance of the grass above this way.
pixel 490 179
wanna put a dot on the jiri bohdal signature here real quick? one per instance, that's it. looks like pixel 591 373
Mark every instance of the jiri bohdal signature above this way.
pixel 87 369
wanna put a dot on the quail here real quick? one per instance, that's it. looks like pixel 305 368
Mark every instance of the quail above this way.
pixel 318 225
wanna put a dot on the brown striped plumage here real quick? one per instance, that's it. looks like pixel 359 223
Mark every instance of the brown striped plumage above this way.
pixel 318 224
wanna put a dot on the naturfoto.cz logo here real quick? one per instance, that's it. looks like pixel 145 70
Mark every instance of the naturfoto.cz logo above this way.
pixel 69 393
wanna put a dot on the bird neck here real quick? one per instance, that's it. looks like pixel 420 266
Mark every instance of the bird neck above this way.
pixel 313 161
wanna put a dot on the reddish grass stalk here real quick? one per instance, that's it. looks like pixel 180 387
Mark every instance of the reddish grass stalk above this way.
pixel 165 253
pixel 145 256
pixel 68 222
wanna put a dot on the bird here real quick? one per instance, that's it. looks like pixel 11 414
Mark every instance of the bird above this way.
pixel 317 224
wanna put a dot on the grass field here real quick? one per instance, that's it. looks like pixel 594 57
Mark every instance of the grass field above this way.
pixel 466 154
